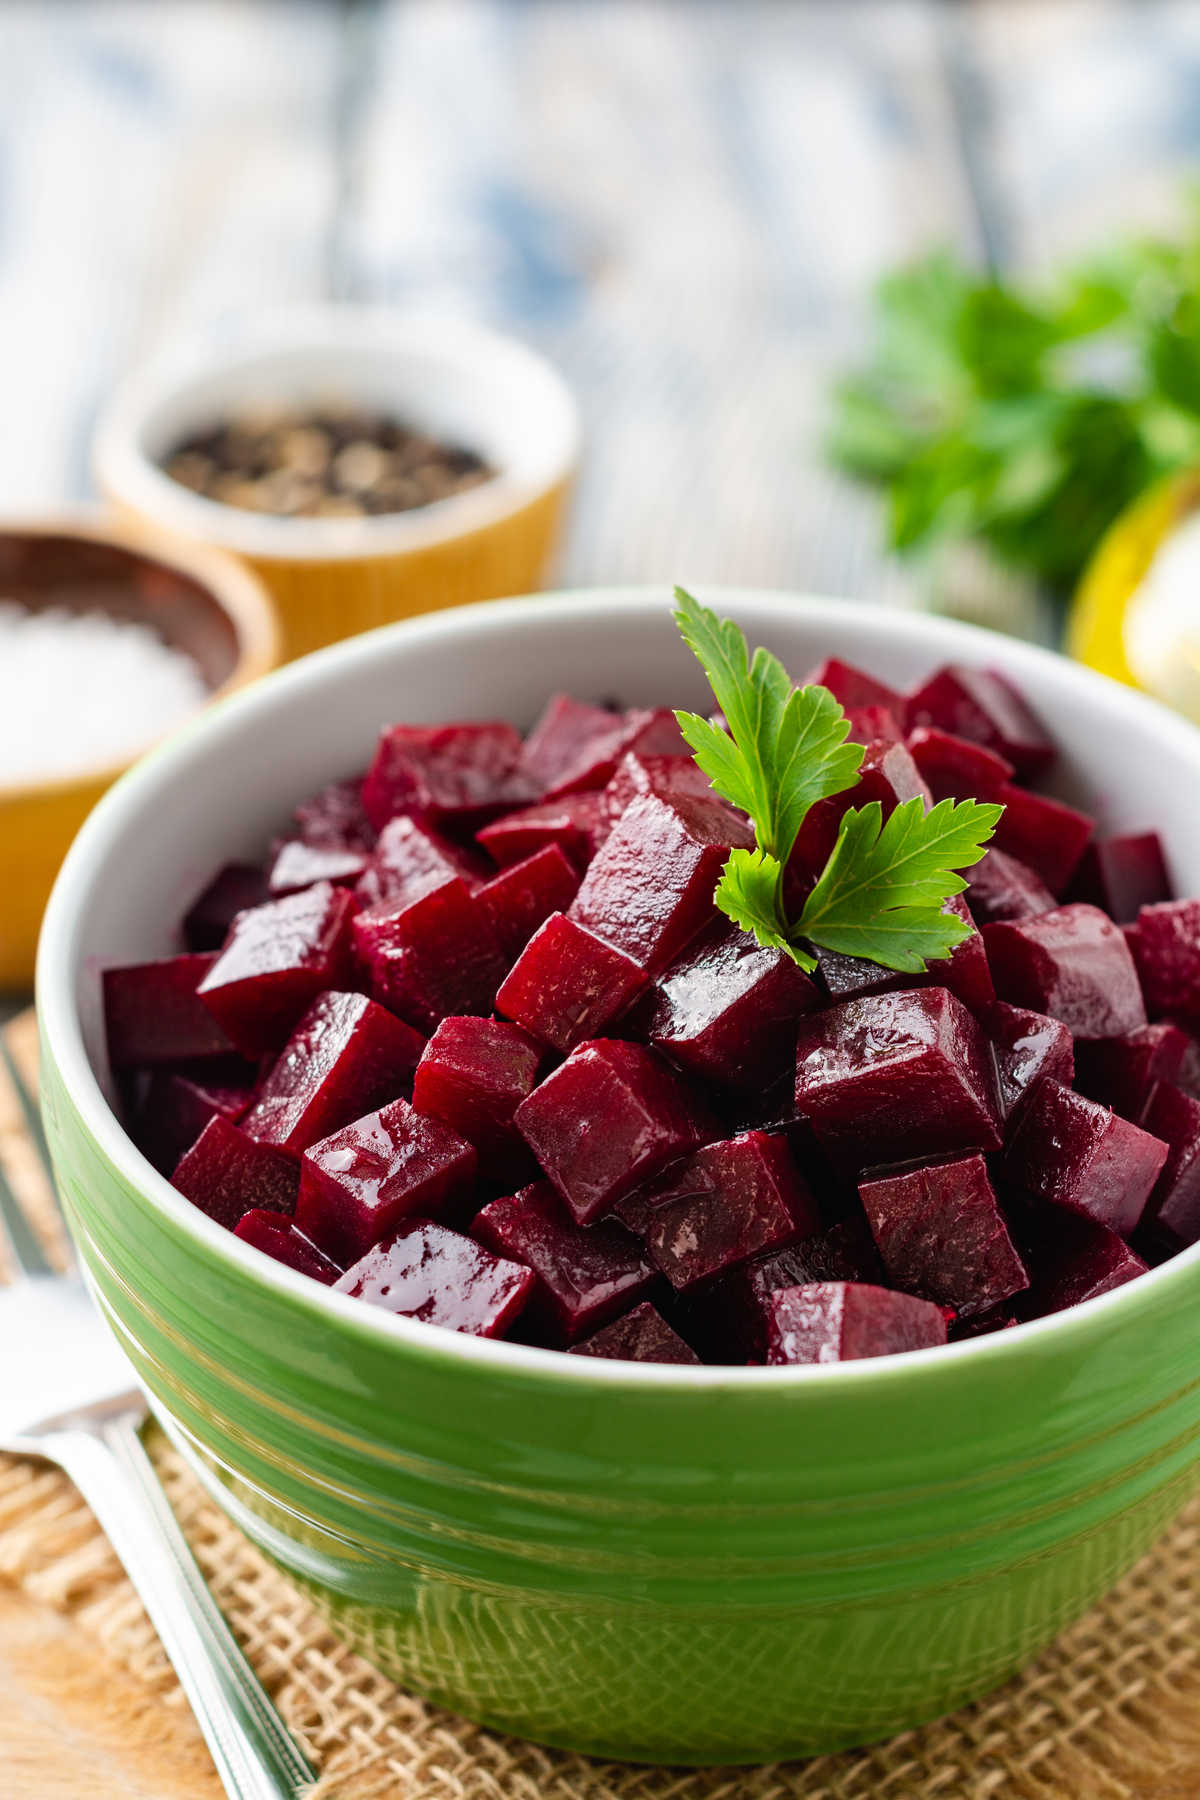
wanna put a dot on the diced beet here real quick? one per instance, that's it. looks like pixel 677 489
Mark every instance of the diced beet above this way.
pixel 1120 1072
pixel 280 1238
pixel 870 722
pixel 999 1318
pixel 336 818
pixel 897 1075
pixel 966 972
pixel 662 775
pixel 1174 1210
pixel 1043 833
pixel 999 887
pixel 578 824
pixel 724 1204
pixel 563 745
pixel 1123 874
pixel 585 1275
pixel 426 1271
pixel 233 889
pixel 177 1105
pixel 1165 941
pixel 568 984
pixel 649 891
pixel 887 774
pixel 297 865
pixel 1072 1259
pixel 452 774
pixel 346 1057
pixel 1187 1076
pixel 984 707
pixel 358 1183
pixel 853 687
pixel 643 1335
pixel 523 896
pixel 152 1013
pixel 227 1174
pixel 942 1236
pixel 1029 1047
pixel 726 1010
pixel 1072 963
pixel 728 1317
pixel 278 958
pixel 1076 1153
pixel 646 732
pixel 608 1118
pixel 411 857
pixel 953 768
pixel 856 977
pixel 473 1076
pixel 843 1321
pixel 431 957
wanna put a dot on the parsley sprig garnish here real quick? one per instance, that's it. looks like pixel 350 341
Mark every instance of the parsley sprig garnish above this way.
pixel 882 891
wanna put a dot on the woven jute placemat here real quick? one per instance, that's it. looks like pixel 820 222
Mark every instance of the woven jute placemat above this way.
pixel 1111 1712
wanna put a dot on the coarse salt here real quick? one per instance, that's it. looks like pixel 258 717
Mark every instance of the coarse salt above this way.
pixel 81 690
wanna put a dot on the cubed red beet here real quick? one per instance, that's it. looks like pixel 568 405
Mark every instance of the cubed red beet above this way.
pixel 1174 1210
pixel 649 890
pixel 726 1010
pixel 661 775
pixel 336 818
pixel 523 896
pixel 426 1271
pixel 227 1174
pixel 604 1121
pixel 568 985
pixel 965 972
pixel 568 739
pixel 358 1183
pixel 953 768
pixel 346 1057
pixel 578 824
pixel 411 857
pixel 897 1075
pixel 727 1318
pixel 177 1104
pixel 431 957
pixel 1075 1153
pixel 152 1013
pixel 456 775
pixel 1165 942
pixel 999 887
pixel 1072 1259
pixel 856 977
pixel 1072 963
pixel 233 889
pixel 1042 833
pixel 842 1321
pixel 278 958
pixel 473 1076
pixel 643 1335
pixel 1120 1072
pixel 1029 1047
pixel 298 865
pixel 1123 874
pixel 853 687
pixel 585 1275
pixel 942 1236
pixel 984 707
pixel 887 774
pixel 279 1238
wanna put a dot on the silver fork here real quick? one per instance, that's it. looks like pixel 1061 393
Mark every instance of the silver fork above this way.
pixel 69 1394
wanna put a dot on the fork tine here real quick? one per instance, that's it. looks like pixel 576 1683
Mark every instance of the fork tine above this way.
pixel 26 1249
pixel 30 1111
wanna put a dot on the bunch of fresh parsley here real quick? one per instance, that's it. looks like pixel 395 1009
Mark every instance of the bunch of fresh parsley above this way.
pixel 1025 419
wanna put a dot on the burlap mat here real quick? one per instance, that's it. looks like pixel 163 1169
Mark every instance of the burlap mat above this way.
pixel 1112 1712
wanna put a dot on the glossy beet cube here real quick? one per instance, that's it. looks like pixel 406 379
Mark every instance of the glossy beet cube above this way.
pixel 1174 1209
pixel 643 1335
pixel 568 985
pixel 897 1075
pixel 233 889
pixel 1047 836
pixel 999 887
pixel 870 722
pixel 336 818
pixel 967 971
pixel 585 1275
pixel 728 1317
pixel 569 740
pixel 1165 942
pixel 726 1010
pixel 1072 963
pixel 661 775
pixel 1029 1047
pixel 1072 1259
pixel 1120 1072
pixel 646 732
pixel 458 775
pixel 853 687
pixel 346 1057
pixel 985 708
pixel 280 1238
pixel 942 1236
pixel 649 890
pixel 426 1271
pixel 357 1184
pixel 226 1174
pixel 411 857
pixel 722 1205
pixel 578 824
pixel 608 1118
pixel 523 896
pixel 842 1321
pixel 1123 874
pixel 1075 1153
pixel 473 1076
pixel 278 958
pixel 887 774
pixel 176 1105
pixel 298 865
pixel 953 768
pixel 152 1013
pixel 430 957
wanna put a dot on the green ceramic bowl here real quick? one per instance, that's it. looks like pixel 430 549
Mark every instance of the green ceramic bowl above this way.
pixel 645 1562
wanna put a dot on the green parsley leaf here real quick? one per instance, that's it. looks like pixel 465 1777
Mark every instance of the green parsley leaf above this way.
pixel 750 893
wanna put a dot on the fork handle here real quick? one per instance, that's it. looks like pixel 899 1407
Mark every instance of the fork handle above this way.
pixel 252 1748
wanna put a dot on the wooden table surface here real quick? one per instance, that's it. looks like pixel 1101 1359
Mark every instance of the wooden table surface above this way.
pixel 683 202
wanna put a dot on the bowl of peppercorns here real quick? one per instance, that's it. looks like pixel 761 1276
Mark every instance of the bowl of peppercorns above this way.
pixel 370 465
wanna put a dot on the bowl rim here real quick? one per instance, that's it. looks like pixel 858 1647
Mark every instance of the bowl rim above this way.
pixel 237 590
pixel 131 478
pixel 63 1038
